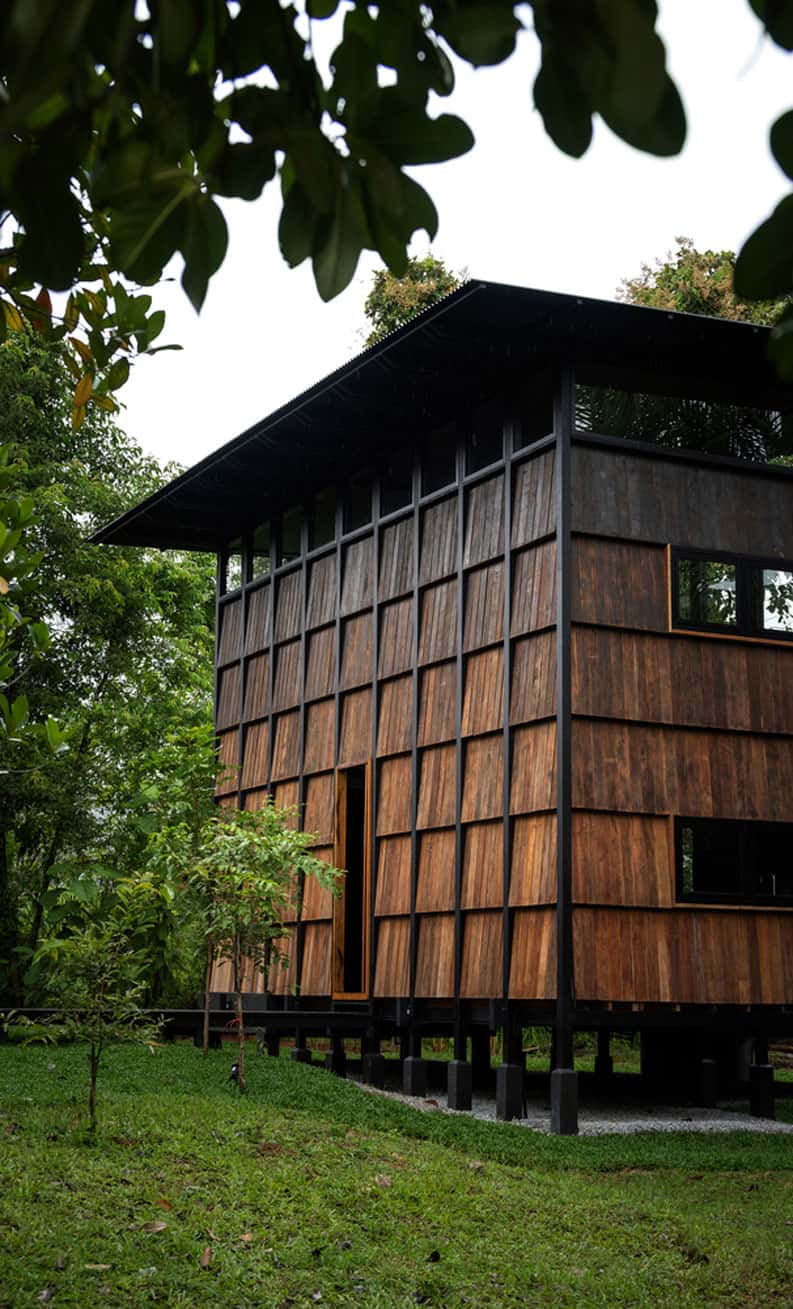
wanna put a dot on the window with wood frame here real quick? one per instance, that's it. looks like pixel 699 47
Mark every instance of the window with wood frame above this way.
pixel 735 595
pixel 351 908
pixel 734 861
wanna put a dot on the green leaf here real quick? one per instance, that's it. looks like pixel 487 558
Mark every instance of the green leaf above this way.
pixel 20 711
pixel 764 267
pixel 481 33
pixel 564 112
pixel 297 227
pixel 118 374
pixel 145 234
pixel 777 18
pixel 243 169
pixel 409 136
pixel 782 142
pixel 203 246
pixel 321 8
pixel 44 206
pixel 336 257
pixel 178 26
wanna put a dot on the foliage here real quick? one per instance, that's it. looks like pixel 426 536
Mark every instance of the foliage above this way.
pixel 247 866
pixel 21 638
pixel 692 281
pixel 313 1187
pixel 121 128
pixel 96 981
pixel 129 659
pixel 393 300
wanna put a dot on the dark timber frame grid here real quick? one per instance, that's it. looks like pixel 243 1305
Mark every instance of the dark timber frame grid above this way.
pixel 496 649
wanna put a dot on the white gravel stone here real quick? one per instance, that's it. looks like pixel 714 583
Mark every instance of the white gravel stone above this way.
pixel 602 1120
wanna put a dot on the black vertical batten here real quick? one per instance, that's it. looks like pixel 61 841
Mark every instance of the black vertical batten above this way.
pixel 458 728
pixel 506 917
pixel 301 781
pixel 242 665
pixel 564 1108
pixel 375 712
pixel 414 788
pixel 275 548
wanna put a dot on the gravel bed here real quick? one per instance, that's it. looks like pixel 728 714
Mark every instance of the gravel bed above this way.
pixel 604 1119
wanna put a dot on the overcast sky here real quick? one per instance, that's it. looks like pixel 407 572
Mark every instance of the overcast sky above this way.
pixel 513 210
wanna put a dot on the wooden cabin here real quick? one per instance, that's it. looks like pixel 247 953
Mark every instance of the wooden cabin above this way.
pixel 505 605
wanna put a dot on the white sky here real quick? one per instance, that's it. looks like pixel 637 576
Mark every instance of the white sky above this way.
pixel 515 209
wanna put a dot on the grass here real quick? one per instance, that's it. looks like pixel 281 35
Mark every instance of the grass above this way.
pixel 309 1191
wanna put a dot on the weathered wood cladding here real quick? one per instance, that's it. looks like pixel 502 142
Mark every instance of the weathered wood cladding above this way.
pixel 664 723
pixel 342 604
pixel 683 956
pixel 684 680
pixel 655 499
pixel 670 723
pixel 634 768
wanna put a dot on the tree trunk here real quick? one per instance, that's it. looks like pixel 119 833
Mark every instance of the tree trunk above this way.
pixel 207 980
pixel 238 1009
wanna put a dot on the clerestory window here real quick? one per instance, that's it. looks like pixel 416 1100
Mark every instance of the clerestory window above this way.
pixel 735 595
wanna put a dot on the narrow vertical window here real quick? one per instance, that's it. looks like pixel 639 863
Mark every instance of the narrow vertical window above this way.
pixel 260 556
pixel 351 908
pixel 231 576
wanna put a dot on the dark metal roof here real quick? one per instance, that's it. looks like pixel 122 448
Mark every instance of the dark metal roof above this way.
pixel 482 337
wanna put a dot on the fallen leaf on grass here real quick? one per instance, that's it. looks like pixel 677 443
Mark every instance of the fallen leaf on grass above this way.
pixel 97 1268
pixel 60 1263
pixel 206 1257
pixel 46 1294
pixel 382 1179
pixel 211 1234
pixel 269 1147
pixel 163 1203
pixel 476 1165
pixel 154 1227
pixel 247 1237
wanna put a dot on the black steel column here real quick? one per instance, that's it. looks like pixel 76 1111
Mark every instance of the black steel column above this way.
pixel 458 1083
pixel 375 712
pixel 564 1082
pixel 300 930
pixel 413 1069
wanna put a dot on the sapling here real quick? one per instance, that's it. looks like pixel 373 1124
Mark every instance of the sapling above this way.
pixel 98 986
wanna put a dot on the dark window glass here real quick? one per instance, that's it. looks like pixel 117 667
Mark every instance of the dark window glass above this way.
pixel 711 859
pixel 438 463
pixel 232 571
pixel 771 853
pixel 485 444
pixel 706 592
pixel 683 423
pixel 772 599
pixel 322 528
pixel 720 859
pixel 536 414
pixel 358 503
pixel 291 535
pixel 396 483
pixel 260 556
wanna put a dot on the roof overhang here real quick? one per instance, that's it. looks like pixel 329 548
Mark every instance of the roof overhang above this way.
pixel 450 357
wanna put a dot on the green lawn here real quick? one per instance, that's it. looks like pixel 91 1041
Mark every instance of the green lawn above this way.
pixel 309 1191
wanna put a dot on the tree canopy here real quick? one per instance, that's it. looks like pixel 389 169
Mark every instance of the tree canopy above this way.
pixel 692 281
pixel 393 300
pixel 128 659
pixel 122 127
